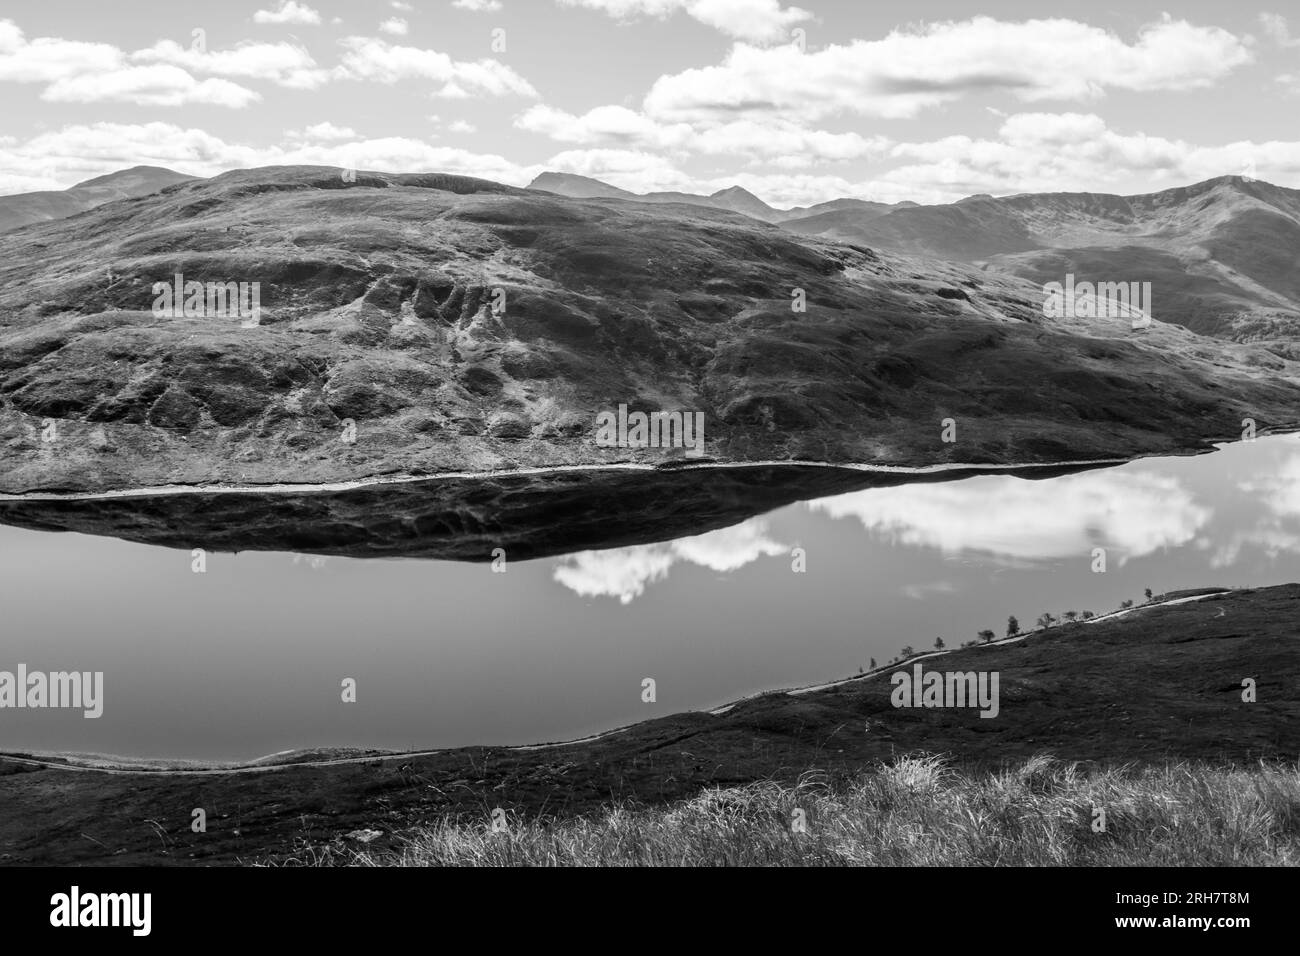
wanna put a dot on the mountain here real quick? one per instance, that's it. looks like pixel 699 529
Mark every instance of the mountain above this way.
pixel 578 187
pixel 25 208
pixel 1220 255
pixel 425 323
pixel 734 199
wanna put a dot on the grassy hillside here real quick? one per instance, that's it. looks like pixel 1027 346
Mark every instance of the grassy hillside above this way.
pixel 912 811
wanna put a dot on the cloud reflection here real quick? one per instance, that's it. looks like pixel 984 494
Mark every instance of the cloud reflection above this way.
pixel 1014 519
pixel 624 573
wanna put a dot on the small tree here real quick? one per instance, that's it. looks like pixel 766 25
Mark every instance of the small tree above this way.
pixel 1013 626
pixel 986 635
pixel 873 663
pixel 906 651
pixel 1147 592
pixel 938 643
pixel 1045 619
pixel 1071 615
pixel 1125 605
pixel 1085 615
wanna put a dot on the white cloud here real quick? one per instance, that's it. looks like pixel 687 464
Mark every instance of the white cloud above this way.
pixel 289 11
pixel 620 127
pixel 757 21
pixel 937 63
pixel 148 86
pixel 1040 152
pixel 325 132
pixel 283 63
pixel 461 126
pixel 382 62
pixel 394 26
pixel 47 59
pixel 477 6
pixel 73 153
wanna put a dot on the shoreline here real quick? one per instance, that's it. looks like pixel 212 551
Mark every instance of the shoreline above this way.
pixel 60 760
pixel 1207 446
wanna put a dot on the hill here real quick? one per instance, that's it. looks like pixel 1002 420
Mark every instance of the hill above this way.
pixel 23 209
pixel 424 323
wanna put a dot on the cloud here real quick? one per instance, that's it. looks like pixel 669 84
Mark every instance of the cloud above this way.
pixel 461 126
pixel 625 573
pixel 395 26
pixel 47 59
pixel 322 133
pixel 1015 520
pixel 381 62
pixel 937 63
pixel 477 6
pixel 289 11
pixel 77 152
pixel 757 21
pixel 621 127
pixel 162 75
pixel 1040 152
pixel 1276 27
pixel 148 86
pixel 282 63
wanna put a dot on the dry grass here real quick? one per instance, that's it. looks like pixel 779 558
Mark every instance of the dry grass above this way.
pixel 916 811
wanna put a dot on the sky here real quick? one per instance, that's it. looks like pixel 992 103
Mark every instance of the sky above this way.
pixel 922 101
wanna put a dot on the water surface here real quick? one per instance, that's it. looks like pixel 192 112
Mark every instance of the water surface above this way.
pixel 247 658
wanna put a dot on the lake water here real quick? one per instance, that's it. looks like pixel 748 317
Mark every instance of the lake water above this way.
pixel 248 658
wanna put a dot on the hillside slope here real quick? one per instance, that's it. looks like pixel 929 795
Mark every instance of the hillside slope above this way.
pixel 430 323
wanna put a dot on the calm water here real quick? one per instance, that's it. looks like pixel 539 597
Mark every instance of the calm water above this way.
pixel 247 658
